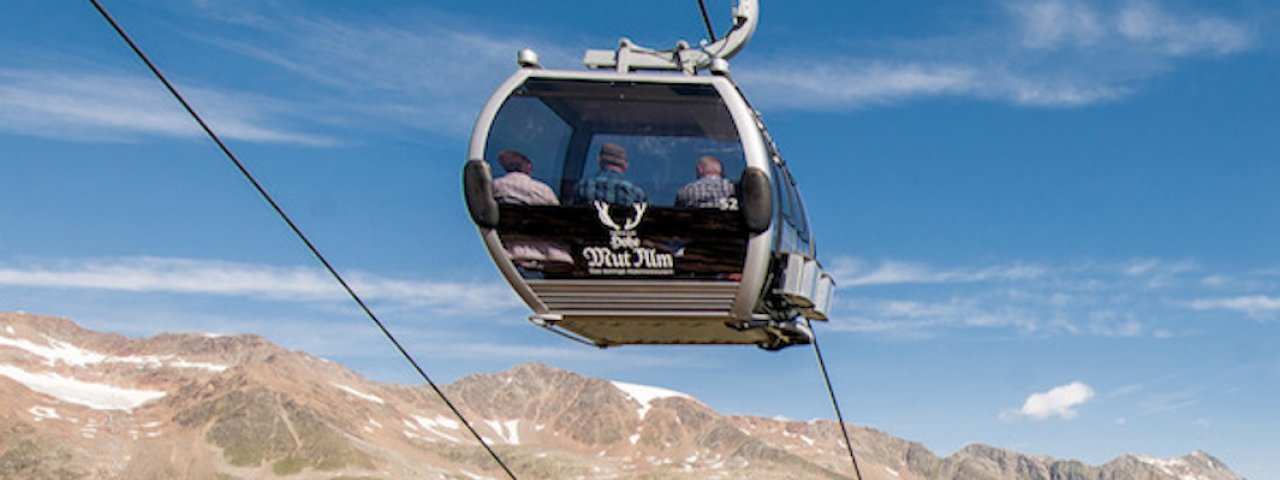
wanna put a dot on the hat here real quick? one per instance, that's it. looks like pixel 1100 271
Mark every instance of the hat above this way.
pixel 512 160
pixel 613 154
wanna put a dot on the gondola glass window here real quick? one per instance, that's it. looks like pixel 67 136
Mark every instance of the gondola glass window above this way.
pixel 793 223
pixel 585 139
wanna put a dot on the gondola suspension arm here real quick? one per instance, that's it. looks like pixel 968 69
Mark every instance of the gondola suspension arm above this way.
pixel 631 57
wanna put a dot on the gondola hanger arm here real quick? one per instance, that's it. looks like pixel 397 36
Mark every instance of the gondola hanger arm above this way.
pixel 631 57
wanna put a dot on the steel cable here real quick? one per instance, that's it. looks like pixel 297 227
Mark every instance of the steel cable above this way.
pixel 297 231
pixel 706 20
pixel 834 403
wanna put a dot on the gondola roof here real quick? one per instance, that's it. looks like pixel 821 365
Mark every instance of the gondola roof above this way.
pixel 677 109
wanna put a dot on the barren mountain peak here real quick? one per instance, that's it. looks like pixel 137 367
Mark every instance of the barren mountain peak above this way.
pixel 82 404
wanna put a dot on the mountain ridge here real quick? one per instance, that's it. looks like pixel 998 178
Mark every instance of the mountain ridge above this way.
pixel 83 404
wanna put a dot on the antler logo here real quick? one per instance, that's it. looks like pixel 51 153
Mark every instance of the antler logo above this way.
pixel 603 211
pixel 625 255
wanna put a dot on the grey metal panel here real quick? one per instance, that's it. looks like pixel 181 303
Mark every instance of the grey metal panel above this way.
pixel 660 297
pixel 508 269
pixel 608 331
pixel 755 269
pixel 822 298
pixel 479 136
pixel 606 75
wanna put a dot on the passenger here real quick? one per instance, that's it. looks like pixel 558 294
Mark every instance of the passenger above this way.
pixel 710 190
pixel 531 256
pixel 517 187
pixel 608 185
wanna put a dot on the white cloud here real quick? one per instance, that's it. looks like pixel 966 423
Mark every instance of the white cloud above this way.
pixel 1214 280
pixel 1137 298
pixel 1051 23
pixel 1049 53
pixel 1133 27
pixel 415 70
pixel 1148 24
pixel 429 71
pixel 894 328
pixel 1113 327
pixel 1257 306
pixel 89 106
pixel 1157 269
pixel 297 284
pixel 859 83
pixel 825 86
pixel 1062 401
pixel 850 272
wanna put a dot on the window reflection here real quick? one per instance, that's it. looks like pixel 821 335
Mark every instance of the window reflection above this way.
pixel 618 180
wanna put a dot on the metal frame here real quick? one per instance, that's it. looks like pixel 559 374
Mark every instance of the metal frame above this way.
pixel 631 57
pixel 765 303
pixel 755 153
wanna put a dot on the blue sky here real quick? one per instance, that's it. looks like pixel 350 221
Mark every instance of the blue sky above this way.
pixel 1053 222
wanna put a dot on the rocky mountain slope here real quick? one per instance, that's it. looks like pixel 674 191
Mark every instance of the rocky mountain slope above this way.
pixel 81 404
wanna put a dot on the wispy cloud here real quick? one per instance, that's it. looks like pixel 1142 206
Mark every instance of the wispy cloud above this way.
pixel 1045 53
pixel 853 272
pixel 1256 306
pixel 93 106
pixel 908 319
pixel 1140 298
pixel 858 83
pixel 424 69
pixel 290 284
pixel 1169 402
pixel 1138 26
pixel 420 70
pixel 1063 402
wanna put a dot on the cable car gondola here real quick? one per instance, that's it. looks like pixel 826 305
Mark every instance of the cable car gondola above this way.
pixel 582 184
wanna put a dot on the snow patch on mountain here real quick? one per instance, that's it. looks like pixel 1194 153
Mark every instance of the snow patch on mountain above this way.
pixel 432 424
pixel 508 430
pixel 359 394
pixel 58 351
pixel 55 351
pixel 645 394
pixel 93 395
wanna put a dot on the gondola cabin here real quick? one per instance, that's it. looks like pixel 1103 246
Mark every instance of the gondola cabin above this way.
pixel 643 208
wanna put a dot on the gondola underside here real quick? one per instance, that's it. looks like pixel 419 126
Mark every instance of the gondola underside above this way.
pixel 613 330
pixel 646 312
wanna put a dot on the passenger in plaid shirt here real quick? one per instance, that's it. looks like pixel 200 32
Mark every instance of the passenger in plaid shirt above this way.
pixel 710 190
pixel 609 185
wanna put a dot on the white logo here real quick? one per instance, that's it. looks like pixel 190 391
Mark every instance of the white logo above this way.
pixel 602 210
pixel 624 255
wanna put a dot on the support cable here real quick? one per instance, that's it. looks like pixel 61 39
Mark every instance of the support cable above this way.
pixel 706 20
pixel 834 403
pixel 298 232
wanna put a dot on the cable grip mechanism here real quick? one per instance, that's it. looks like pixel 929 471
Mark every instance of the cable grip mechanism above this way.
pixel 631 57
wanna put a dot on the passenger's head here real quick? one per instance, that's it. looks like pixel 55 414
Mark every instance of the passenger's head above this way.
pixel 709 165
pixel 613 157
pixel 513 161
